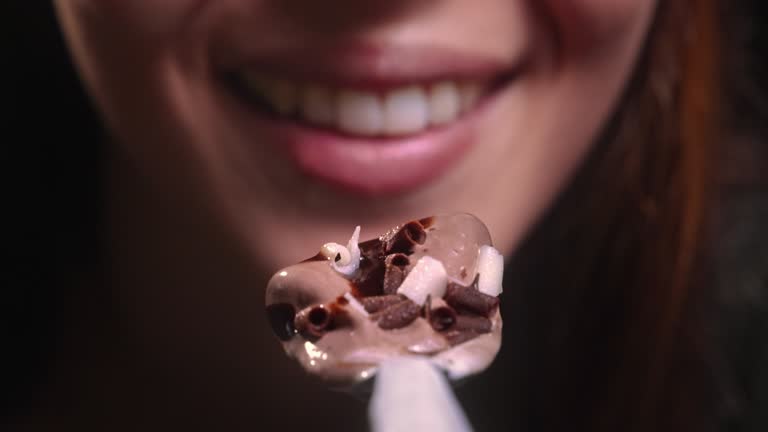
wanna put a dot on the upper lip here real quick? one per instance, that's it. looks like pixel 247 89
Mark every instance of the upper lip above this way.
pixel 370 66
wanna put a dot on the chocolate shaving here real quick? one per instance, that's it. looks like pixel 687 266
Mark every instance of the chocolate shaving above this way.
pixel 464 328
pixel 371 273
pixel 399 315
pixel 397 260
pixel 394 272
pixel 442 318
pixel 369 279
pixel 372 248
pixel 474 323
pixel 376 303
pixel 313 322
pixel 470 299
pixel 427 221
pixel 403 240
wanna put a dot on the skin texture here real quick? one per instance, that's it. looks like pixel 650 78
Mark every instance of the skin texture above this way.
pixel 202 209
pixel 149 69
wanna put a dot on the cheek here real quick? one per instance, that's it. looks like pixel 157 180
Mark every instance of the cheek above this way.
pixel 582 24
pixel 145 19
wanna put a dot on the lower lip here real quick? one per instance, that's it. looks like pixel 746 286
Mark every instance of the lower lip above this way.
pixel 372 166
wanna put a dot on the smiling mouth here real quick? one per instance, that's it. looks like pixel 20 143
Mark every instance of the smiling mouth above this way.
pixel 368 90
pixel 370 120
pixel 393 111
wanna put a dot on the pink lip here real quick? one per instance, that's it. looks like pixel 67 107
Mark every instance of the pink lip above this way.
pixel 373 166
pixel 366 66
pixel 370 166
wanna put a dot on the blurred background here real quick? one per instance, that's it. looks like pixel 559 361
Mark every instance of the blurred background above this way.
pixel 41 105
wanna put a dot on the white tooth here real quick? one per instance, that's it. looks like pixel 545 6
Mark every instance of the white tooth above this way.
pixel 359 113
pixel 317 105
pixel 444 103
pixel 405 111
pixel 470 92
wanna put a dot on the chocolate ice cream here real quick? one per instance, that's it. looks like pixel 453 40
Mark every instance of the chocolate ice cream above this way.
pixel 426 288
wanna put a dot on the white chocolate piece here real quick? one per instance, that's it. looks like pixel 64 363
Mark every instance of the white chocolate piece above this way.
pixel 427 277
pixel 490 267
pixel 347 267
pixel 333 250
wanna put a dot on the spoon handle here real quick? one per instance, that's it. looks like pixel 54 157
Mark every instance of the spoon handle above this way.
pixel 410 394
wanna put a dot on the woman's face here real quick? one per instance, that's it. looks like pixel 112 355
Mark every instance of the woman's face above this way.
pixel 293 121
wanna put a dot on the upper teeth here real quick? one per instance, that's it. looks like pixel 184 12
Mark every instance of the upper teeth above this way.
pixel 399 111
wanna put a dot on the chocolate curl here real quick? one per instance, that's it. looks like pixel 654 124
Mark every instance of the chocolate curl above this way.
pixel 372 248
pixel 464 328
pixel 313 322
pixel 371 273
pixel 369 279
pixel 399 315
pixel 376 303
pixel 442 318
pixel 470 299
pixel 394 271
pixel 473 323
pixel 427 221
pixel 404 239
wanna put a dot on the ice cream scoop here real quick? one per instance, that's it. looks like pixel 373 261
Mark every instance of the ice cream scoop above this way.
pixel 427 288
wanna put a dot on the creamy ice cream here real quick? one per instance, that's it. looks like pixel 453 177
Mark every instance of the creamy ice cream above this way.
pixel 425 288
